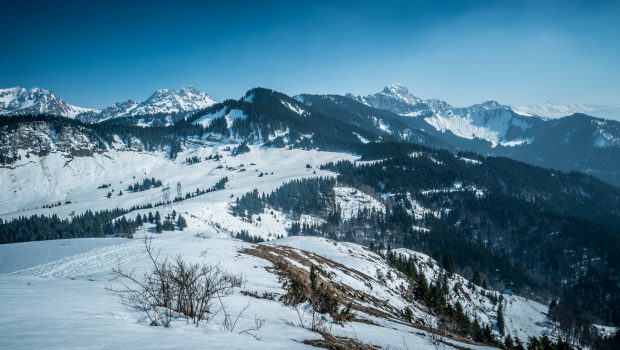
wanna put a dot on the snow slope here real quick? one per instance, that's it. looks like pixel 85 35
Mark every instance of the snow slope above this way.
pixel 68 306
pixel 523 317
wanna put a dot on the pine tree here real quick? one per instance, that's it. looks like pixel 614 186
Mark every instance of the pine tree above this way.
pixel 518 344
pixel 139 220
pixel 500 319
pixel 508 343
pixel 181 223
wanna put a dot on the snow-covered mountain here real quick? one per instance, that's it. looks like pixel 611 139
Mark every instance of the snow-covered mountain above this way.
pixel 489 121
pixel 22 101
pixel 161 102
pixel 396 98
pixel 558 110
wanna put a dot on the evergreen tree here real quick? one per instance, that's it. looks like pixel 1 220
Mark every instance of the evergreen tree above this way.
pixel 500 319
pixel 508 343
pixel 181 223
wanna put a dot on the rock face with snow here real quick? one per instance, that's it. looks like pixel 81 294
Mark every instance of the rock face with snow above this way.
pixel 395 98
pixel 22 101
pixel 163 102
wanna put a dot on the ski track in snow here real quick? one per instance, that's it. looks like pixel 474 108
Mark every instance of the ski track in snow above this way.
pixel 96 261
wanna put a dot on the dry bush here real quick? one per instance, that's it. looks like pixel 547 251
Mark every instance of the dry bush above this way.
pixel 174 287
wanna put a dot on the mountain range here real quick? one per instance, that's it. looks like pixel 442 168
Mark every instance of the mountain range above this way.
pixel 576 142
pixel 166 102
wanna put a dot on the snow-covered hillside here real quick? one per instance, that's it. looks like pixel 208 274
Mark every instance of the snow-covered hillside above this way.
pixel 33 182
pixel 22 101
pixel 64 280
pixel 60 291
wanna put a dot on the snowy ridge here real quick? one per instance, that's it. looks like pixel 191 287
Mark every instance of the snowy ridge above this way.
pixel 489 121
pixel 395 98
pixel 295 108
pixel 162 101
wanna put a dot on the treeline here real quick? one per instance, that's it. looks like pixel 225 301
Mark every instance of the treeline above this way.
pixel 240 149
pixel 219 185
pixel 145 185
pixel 306 196
pixel 93 224
pixel 86 225
pixel 246 237
pixel 435 296
pixel 192 160
pixel 171 222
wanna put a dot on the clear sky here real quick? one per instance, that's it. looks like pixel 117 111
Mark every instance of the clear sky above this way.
pixel 94 53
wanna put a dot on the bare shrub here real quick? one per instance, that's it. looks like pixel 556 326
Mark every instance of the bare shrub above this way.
pixel 175 287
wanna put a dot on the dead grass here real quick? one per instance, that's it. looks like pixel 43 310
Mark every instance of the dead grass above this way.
pixel 339 343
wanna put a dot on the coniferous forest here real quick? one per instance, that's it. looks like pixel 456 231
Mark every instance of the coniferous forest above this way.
pixel 505 224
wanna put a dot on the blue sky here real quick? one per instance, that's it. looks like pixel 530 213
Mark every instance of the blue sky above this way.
pixel 94 53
